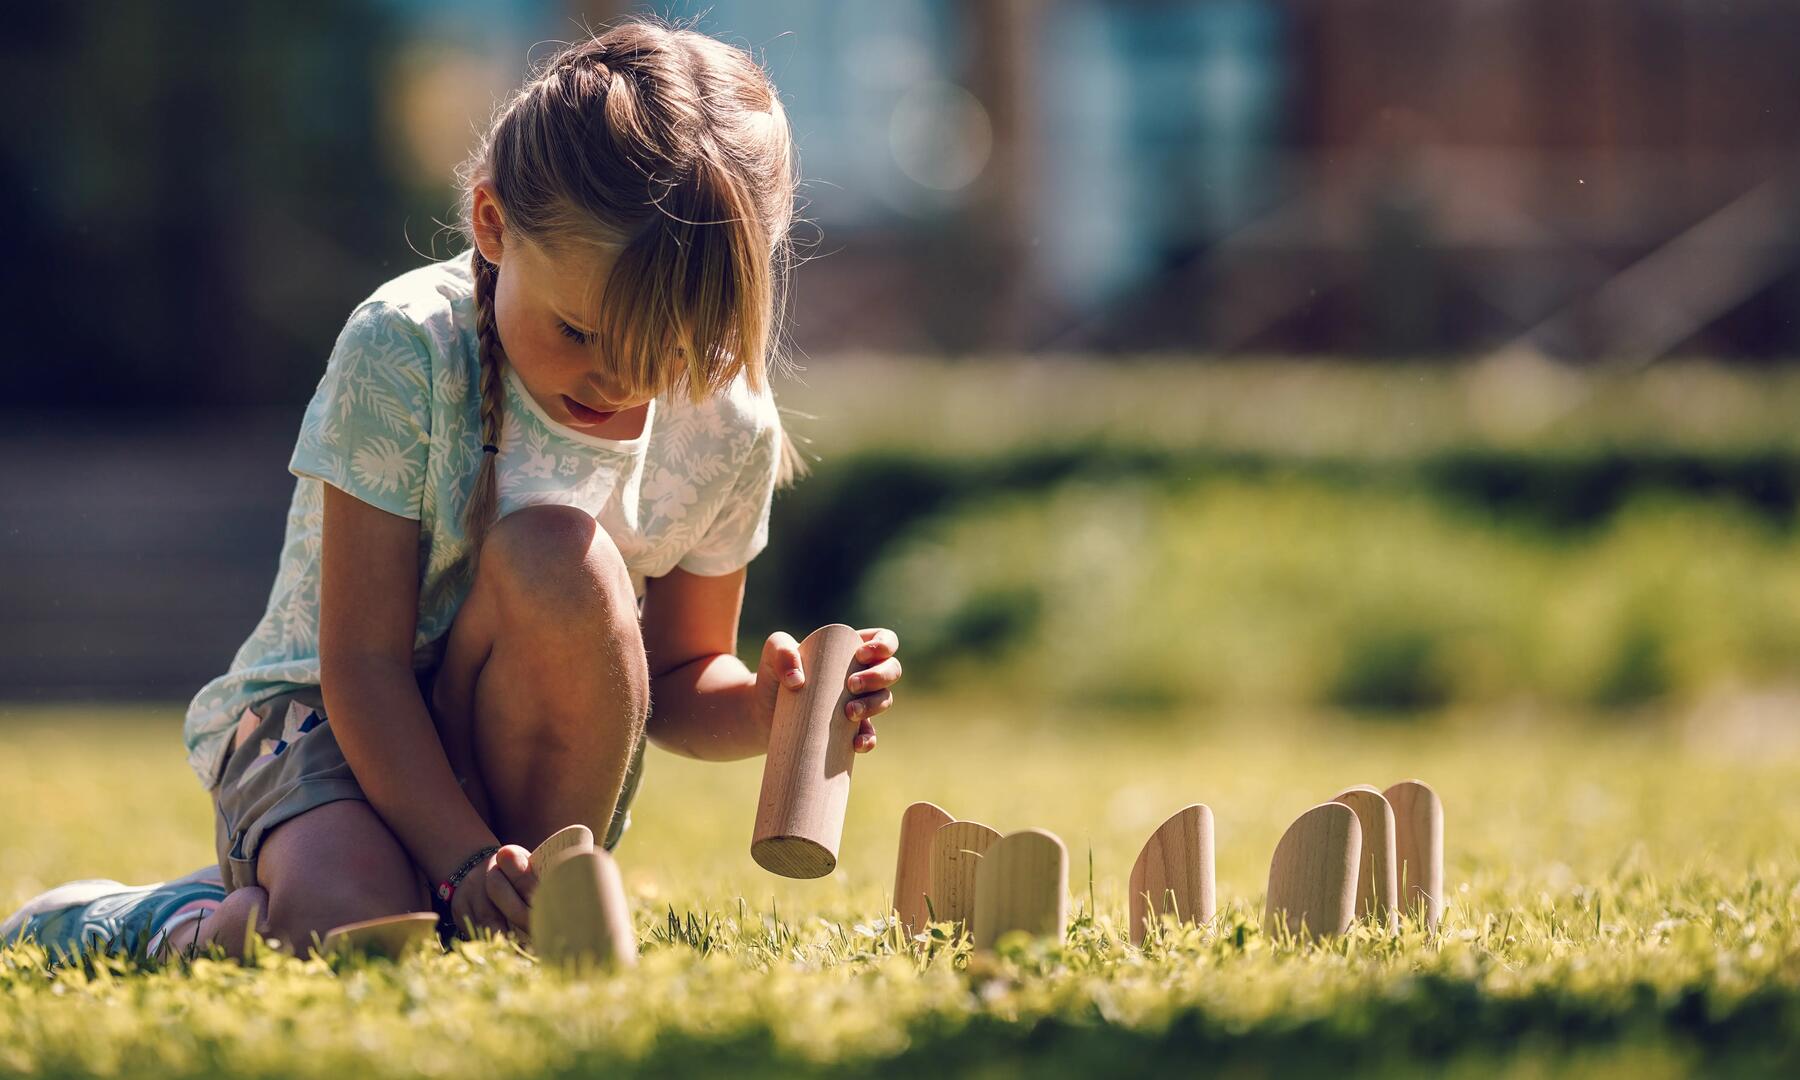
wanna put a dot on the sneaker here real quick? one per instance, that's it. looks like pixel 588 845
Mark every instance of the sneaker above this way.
pixel 105 916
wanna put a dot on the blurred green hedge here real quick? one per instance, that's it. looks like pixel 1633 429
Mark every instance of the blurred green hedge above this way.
pixel 1601 579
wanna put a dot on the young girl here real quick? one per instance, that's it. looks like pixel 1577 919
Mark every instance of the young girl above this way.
pixel 529 483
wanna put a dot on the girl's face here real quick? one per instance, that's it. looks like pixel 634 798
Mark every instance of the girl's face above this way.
pixel 538 310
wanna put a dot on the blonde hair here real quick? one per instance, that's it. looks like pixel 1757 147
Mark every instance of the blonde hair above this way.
pixel 670 150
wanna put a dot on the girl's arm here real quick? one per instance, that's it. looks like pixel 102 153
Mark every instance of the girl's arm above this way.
pixel 704 703
pixel 700 692
pixel 368 613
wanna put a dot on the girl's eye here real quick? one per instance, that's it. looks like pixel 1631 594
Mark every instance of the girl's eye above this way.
pixel 572 334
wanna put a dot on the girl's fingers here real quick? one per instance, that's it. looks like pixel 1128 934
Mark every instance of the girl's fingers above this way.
pixel 782 653
pixel 515 862
pixel 883 674
pixel 878 642
pixel 861 708
pixel 864 741
pixel 507 899
pixel 480 911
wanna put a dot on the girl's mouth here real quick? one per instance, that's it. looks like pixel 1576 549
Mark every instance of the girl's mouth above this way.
pixel 585 415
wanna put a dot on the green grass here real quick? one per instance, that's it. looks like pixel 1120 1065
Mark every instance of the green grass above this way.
pixel 1620 903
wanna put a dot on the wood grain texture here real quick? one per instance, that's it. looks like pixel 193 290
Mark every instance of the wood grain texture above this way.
pixel 1173 874
pixel 568 839
pixel 1377 881
pixel 912 866
pixel 1419 841
pixel 390 935
pixel 1312 878
pixel 806 779
pixel 956 853
pixel 579 917
pixel 1022 883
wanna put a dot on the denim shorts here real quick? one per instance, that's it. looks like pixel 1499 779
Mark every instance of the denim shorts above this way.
pixel 288 762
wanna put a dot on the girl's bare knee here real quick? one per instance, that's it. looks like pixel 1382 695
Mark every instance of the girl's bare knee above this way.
pixel 552 556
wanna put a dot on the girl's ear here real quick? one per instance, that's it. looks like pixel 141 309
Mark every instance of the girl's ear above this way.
pixel 489 223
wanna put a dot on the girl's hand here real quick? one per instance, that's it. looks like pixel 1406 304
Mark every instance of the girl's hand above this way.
pixel 869 683
pixel 497 894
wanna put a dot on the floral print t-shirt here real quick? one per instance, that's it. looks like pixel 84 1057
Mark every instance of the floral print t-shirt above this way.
pixel 395 421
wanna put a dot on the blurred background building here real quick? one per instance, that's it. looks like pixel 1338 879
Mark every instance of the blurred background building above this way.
pixel 201 192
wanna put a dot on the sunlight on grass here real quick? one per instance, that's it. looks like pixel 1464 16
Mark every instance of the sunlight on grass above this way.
pixel 1610 895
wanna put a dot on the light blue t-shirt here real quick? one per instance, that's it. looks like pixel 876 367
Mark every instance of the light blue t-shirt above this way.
pixel 395 421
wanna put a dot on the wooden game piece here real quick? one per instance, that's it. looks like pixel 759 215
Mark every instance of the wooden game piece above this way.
pixel 579 916
pixel 389 935
pixel 1312 878
pixel 1377 882
pixel 1174 872
pixel 912 868
pixel 956 852
pixel 1022 883
pixel 569 838
pixel 1419 842
pixel 806 779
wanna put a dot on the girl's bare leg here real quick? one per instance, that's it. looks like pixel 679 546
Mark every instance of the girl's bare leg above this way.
pixel 544 688
pixel 540 700
pixel 334 864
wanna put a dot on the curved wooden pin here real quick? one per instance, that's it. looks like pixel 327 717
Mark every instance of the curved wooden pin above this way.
pixel 1419 841
pixel 569 838
pixel 912 867
pixel 806 778
pixel 1377 881
pixel 1173 874
pixel 389 935
pixel 1022 884
pixel 956 852
pixel 1312 878
pixel 579 916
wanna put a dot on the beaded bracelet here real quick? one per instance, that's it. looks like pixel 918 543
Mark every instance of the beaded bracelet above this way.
pixel 447 888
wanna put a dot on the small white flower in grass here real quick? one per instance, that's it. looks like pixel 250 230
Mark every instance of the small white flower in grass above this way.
pixel 381 465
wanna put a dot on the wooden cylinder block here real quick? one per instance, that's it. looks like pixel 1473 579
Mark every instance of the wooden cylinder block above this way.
pixel 806 779
pixel 1377 886
pixel 1174 873
pixel 1312 878
pixel 1022 884
pixel 388 935
pixel 912 867
pixel 1419 841
pixel 564 841
pixel 579 915
pixel 956 853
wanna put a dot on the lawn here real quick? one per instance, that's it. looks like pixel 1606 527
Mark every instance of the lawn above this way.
pixel 1622 901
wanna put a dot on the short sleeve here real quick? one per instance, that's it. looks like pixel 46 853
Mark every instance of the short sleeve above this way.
pixel 741 528
pixel 367 429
